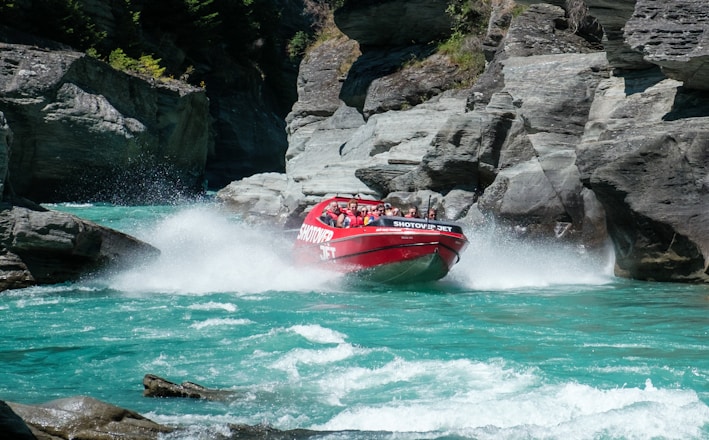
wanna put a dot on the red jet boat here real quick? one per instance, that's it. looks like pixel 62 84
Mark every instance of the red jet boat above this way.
pixel 387 250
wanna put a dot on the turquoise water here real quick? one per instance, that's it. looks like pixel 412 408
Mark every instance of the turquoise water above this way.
pixel 518 342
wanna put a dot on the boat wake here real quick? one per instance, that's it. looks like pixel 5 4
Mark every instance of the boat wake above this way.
pixel 205 251
pixel 496 261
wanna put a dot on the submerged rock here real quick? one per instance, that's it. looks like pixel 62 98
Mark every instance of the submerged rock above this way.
pixel 156 386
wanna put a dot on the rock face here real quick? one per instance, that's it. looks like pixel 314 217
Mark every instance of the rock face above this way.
pixel 576 131
pixel 651 172
pixel 39 246
pixel 84 131
pixel 673 36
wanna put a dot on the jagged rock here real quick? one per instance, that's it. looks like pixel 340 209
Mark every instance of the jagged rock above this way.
pixel 379 177
pixel 320 80
pixel 158 387
pixel 258 198
pixel 83 130
pixel 397 68
pixel 87 419
pixel 543 29
pixel 377 83
pixel 538 184
pixel 612 15
pixel 673 36
pixel 39 246
pixel 466 151
pixel 651 173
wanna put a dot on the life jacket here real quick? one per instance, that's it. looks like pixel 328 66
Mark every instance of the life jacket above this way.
pixel 355 220
pixel 371 217
pixel 329 217
pixel 332 215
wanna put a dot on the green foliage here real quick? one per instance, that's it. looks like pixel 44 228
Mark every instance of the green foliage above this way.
pixel 469 23
pixel 202 14
pixel 468 16
pixel 120 61
pixel 467 58
pixel 150 66
pixel 146 64
pixel 518 9
pixel 297 45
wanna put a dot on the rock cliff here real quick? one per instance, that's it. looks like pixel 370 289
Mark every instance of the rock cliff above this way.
pixel 85 131
pixel 587 124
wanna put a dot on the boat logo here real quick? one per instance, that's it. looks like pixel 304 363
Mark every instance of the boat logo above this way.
pixel 328 252
pixel 417 225
pixel 314 234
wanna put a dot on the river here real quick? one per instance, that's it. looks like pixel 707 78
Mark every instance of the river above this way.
pixel 518 342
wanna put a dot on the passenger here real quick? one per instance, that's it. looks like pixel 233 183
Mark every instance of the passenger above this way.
pixel 352 220
pixel 413 213
pixel 333 215
pixel 374 214
pixel 362 212
pixel 432 214
pixel 395 212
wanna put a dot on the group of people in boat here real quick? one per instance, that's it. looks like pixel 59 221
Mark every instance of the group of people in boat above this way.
pixel 353 215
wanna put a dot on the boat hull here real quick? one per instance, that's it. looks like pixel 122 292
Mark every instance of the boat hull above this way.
pixel 397 250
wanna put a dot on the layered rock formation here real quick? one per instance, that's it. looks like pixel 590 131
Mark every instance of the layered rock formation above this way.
pixel 572 132
pixel 85 131
pixel 39 246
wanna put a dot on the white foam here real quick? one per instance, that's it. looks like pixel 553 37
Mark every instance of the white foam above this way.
pixel 214 322
pixel 490 401
pixel 419 379
pixel 496 261
pixel 318 334
pixel 211 305
pixel 298 357
pixel 204 251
